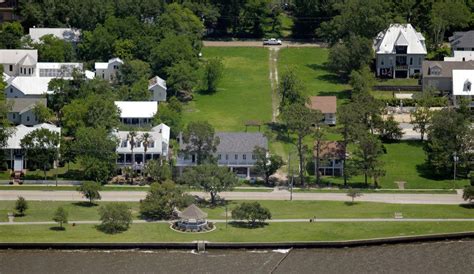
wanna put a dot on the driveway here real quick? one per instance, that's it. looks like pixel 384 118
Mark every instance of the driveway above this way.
pixel 130 196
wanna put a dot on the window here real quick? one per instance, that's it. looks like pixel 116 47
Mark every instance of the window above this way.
pixel 254 157
pixel 27 118
pixel 11 67
pixel 219 156
pixel 227 156
pixel 14 116
pixel 467 86
pixel 124 143
pixel 236 157
pixel 11 90
pixel 151 144
pixel 381 62
pixel 138 144
pixel 244 156
pixel 411 61
pixel 419 61
pixel 434 71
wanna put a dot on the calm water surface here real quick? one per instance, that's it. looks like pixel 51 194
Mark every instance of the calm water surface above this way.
pixel 440 257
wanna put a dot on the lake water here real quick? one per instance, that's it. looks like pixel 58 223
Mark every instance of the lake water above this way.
pixel 438 257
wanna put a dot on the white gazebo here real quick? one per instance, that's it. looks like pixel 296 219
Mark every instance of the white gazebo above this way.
pixel 192 219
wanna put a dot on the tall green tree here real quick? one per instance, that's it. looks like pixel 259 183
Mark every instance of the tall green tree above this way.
pixel 210 178
pixel 299 121
pixel 213 72
pixel 41 146
pixel 90 190
pixel 352 53
pixel 133 71
pixel 157 171
pixel 368 152
pixel 265 163
pixel 446 15
pixel 200 140
pixel 115 218
pixel 10 35
pixel 291 89
pixel 53 49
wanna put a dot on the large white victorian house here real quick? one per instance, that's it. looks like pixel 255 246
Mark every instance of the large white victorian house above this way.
pixel 400 51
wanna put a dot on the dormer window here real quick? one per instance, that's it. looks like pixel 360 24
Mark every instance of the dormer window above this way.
pixel 467 86
pixel 434 71
pixel 124 143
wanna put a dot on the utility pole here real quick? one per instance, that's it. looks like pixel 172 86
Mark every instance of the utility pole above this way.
pixel 290 184
pixel 456 159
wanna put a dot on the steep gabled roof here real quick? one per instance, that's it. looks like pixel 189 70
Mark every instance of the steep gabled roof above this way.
pixel 156 81
pixel 405 35
pixel 14 56
pixel 192 212
pixel 462 39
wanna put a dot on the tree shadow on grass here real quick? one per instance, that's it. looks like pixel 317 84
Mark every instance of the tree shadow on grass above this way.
pixel 247 225
pixel 85 204
pixel 341 95
pixel 426 171
pixel 468 206
pixel 350 203
pixel 57 228
pixel 281 132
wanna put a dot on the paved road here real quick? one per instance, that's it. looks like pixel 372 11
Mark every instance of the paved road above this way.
pixel 258 43
pixel 397 198
pixel 327 220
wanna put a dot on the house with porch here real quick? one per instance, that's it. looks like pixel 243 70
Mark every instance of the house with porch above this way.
pixel 14 154
pixel 22 110
pixel 235 150
pixel 157 148
pixel 462 46
pixel 137 113
pixel 157 88
pixel 331 158
pixel 327 105
pixel 400 51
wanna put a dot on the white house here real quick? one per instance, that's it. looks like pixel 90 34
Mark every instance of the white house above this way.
pixel 462 46
pixel 137 113
pixel 14 155
pixel 235 150
pixel 66 34
pixel 400 51
pixel 327 105
pixel 108 71
pixel 157 87
pixel 158 146
pixel 18 62
pixel 22 110
pixel 463 86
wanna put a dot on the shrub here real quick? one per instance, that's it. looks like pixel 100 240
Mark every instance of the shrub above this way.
pixel 115 218
pixel 60 216
pixel 468 193
pixel 90 190
pixel 21 206
pixel 253 212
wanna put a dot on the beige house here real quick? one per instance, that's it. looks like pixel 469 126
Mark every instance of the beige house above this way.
pixel 331 158
pixel 438 75
pixel 327 105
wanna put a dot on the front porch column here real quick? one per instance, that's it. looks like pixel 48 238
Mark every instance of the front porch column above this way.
pixel 231 169
pixel 248 173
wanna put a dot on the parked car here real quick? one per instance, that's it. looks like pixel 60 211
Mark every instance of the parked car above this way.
pixel 272 42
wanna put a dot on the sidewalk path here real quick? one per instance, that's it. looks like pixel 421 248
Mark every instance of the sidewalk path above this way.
pixel 134 196
pixel 335 220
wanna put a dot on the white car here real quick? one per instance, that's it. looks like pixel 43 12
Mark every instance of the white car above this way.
pixel 272 42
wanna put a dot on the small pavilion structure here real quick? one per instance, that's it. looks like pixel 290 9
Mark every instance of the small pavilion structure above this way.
pixel 192 219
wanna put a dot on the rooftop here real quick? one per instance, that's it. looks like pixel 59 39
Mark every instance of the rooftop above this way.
pixel 446 67
pixel 192 212
pixel 14 56
pixel 156 81
pixel 67 34
pixel 240 141
pixel 22 104
pixel 325 104
pixel 400 35
pixel 137 109
pixel 21 131
pixel 330 150
pixel 462 39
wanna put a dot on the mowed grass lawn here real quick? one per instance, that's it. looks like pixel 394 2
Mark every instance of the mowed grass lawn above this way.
pixel 243 94
pixel 309 65
pixel 274 232
pixel 44 210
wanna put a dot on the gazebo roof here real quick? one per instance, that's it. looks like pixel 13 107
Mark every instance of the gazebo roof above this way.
pixel 192 212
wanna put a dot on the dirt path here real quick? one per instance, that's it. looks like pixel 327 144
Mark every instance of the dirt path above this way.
pixel 258 43
pixel 273 66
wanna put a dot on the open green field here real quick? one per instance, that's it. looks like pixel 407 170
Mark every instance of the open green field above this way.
pixel 243 94
pixel 308 63
pixel 44 210
pixel 274 232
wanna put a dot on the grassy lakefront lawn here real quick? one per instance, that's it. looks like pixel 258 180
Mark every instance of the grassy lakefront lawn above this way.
pixel 81 211
pixel 273 232
pixel 243 94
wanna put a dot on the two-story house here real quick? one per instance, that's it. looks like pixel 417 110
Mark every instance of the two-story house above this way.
pixel 22 110
pixel 19 62
pixel 109 70
pixel 235 150
pixel 400 51
pixel 156 146
pixel 331 156
pixel 7 10
pixel 438 75
pixel 14 154
pixel 327 105
pixel 137 113
pixel 462 46
pixel 157 88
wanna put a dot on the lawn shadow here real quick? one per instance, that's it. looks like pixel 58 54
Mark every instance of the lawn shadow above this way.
pixel 350 203
pixel 341 95
pixel 426 171
pixel 281 132
pixel 468 206
pixel 84 204
pixel 242 224
pixel 57 228
pixel 205 92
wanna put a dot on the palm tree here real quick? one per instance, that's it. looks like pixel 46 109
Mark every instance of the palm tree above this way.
pixel 146 140
pixel 132 135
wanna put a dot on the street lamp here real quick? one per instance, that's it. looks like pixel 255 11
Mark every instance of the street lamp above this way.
pixel 456 159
